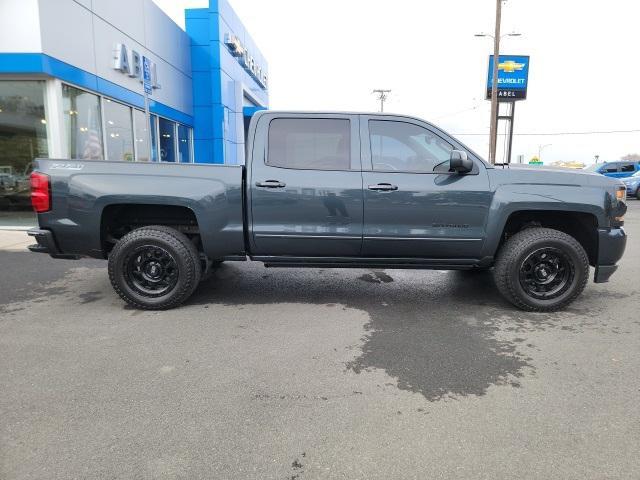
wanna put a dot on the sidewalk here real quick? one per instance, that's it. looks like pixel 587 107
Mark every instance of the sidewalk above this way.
pixel 14 240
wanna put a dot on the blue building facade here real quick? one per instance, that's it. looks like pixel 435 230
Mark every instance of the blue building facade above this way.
pixel 230 81
pixel 71 87
pixel 71 84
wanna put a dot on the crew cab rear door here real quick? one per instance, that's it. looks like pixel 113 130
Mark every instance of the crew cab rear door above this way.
pixel 305 186
pixel 414 207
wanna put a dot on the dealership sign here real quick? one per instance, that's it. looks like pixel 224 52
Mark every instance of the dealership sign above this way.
pixel 131 63
pixel 246 59
pixel 513 77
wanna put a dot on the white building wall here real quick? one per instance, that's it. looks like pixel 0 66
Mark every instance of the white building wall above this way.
pixel 19 26
pixel 84 33
pixel 66 28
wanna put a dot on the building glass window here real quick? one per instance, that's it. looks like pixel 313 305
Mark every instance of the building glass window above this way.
pixel 82 123
pixel 119 131
pixel 141 136
pixel 153 120
pixel 167 140
pixel 184 147
pixel 23 137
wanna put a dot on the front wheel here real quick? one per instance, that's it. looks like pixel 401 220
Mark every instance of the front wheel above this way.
pixel 541 269
pixel 154 268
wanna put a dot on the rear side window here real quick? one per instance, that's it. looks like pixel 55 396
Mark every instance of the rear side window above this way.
pixel 309 143
pixel 627 167
pixel 610 168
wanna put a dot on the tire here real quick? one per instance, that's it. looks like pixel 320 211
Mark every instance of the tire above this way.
pixel 154 268
pixel 530 264
pixel 638 193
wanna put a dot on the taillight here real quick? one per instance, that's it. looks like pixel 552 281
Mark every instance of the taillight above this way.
pixel 40 192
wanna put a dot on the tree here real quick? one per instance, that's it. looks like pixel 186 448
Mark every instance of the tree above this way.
pixel 634 157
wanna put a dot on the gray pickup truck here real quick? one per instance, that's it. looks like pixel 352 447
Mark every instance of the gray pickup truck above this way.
pixel 333 190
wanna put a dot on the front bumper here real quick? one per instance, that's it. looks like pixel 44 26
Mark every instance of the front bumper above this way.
pixel 611 245
pixel 47 244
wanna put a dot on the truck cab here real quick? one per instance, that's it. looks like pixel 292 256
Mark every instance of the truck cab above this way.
pixel 362 187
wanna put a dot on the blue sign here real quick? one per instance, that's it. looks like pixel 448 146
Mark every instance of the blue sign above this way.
pixel 146 75
pixel 513 77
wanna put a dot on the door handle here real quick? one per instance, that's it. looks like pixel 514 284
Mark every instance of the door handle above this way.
pixel 271 184
pixel 384 187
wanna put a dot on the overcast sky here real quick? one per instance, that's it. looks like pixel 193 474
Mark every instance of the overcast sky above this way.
pixel 584 75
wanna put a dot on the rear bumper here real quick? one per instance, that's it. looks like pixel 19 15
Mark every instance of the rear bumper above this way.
pixel 611 245
pixel 46 243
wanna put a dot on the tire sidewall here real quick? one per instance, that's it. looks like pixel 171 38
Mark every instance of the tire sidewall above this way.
pixel 579 277
pixel 117 272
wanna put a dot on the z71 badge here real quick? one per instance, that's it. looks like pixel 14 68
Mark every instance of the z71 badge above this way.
pixel 67 166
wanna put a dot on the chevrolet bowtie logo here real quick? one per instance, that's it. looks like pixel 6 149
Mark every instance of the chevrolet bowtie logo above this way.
pixel 510 66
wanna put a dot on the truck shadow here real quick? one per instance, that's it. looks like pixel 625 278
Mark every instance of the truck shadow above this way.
pixel 433 331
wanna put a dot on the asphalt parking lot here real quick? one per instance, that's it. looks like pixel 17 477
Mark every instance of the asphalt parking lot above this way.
pixel 303 374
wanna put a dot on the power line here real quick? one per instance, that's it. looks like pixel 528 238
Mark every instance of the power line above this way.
pixel 457 113
pixel 601 132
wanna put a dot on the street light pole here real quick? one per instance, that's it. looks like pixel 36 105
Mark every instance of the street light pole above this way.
pixel 382 96
pixel 540 148
pixel 493 129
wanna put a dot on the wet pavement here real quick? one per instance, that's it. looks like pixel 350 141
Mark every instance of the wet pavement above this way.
pixel 318 373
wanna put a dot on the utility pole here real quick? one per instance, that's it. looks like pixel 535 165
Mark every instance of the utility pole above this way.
pixel 382 96
pixel 493 129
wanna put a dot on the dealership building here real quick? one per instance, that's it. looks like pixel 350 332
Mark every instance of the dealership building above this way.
pixel 73 76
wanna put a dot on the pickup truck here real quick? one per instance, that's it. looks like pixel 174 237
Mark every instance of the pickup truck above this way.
pixel 333 190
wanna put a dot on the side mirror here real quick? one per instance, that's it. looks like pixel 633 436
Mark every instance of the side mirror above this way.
pixel 459 162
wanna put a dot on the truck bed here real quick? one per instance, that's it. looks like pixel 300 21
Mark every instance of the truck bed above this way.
pixel 84 191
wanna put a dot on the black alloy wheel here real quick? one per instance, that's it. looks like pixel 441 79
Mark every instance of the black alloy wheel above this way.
pixel 541 269
pixel 546 273
pixel 154 267
pixel 151 270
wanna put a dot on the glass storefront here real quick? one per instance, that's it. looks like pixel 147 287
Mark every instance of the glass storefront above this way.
pixel 184 150
pixel 93 128
pixel 167 141
pixel 126 137
pixel 82 123
pixel 141 131
pixel 119 131
pixel 23 137
pixel 153 121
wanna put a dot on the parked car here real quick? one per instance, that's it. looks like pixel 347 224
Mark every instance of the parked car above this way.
pixel 620 169
pixel 333 190
pixel 632 184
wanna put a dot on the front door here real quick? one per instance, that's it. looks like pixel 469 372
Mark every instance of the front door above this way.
pixel 414 207
pixel 306 186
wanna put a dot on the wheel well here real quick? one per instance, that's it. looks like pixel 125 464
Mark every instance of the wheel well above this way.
pixel 118 220
pixel 581 226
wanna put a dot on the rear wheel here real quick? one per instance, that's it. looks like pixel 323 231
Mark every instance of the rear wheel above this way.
pixel 154 268
pixel 541 269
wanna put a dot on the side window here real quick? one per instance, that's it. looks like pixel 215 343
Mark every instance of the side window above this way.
pixel 627 167
pixel 406 147
pixel 610 168
pixel 310 143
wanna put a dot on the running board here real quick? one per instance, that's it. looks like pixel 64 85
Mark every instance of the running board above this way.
pixel 358 262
